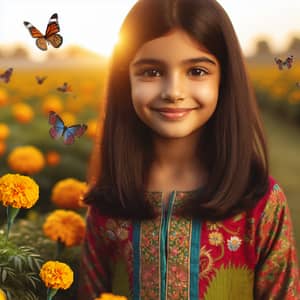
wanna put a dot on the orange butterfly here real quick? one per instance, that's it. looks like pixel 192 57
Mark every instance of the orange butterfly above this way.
pixel 40 79
pixel 5 77
pixel 50 36
pixel 65 88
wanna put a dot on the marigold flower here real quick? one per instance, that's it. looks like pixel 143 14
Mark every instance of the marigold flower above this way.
pixel 52 158
pixel 65 226
pixel 56 275
pixel 3 97
pixel 2 295
pixel 22 112
pixel 92 128
pixel 52 103
pixel 2 148
pixel 26 160
pixel 108 296
pixel 4 131
pixel 18 191
pixel 67 193
pixel 69 118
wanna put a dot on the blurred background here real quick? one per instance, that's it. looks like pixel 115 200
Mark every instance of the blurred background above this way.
pixel 266 29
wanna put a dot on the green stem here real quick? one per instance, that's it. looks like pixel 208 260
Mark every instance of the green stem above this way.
pixel 11 213
pixel 60 246
pixel 51 293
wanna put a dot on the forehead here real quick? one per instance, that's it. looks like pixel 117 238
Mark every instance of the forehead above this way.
pixel 175 46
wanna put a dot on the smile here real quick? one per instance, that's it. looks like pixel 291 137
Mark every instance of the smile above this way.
pixel 174 114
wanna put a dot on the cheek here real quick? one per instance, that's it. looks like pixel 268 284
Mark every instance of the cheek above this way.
pixel 206 95
pixel 143 93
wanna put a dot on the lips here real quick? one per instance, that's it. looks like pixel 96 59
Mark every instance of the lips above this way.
pixel 173 110
pixel 173 114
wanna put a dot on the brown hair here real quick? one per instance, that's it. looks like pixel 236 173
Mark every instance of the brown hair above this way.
pixel 235 151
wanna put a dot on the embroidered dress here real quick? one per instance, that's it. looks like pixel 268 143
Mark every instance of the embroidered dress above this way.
pixel 249 256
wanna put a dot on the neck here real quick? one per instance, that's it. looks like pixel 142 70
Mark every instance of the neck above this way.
pixel 176 165
pixel 176 155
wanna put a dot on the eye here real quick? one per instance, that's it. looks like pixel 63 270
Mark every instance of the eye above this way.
pixel 150 73
pixel 197 72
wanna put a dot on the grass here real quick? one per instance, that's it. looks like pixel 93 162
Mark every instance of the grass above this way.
pixel 284 149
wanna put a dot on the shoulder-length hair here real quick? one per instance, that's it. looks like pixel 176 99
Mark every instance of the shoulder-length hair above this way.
pixel 233 149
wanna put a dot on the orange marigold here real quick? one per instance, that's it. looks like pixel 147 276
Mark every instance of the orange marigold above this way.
pixel 69 118
pixel 52 103
pixel 109 296
pixel 18 191
pixel 56 275
pixel 52 158
pixel 65 226
pixel 92 128
pixel 67 193
pixel 2 295
pixel 3 97
pixel 4 131
pixel 22 112
pixel 26 160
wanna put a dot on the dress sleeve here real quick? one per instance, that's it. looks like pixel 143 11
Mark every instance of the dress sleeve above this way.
pixel 94 274
pixel 277 269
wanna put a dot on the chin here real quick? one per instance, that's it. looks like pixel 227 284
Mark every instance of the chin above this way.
pixel 172 135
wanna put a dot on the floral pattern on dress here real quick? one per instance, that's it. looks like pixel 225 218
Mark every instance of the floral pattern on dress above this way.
pixel 178 268
pixel 150 259
pixel 277 269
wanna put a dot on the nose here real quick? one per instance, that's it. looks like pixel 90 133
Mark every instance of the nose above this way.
pixel 172 90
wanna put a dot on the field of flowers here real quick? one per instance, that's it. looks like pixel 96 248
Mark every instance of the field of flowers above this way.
pixel 47 225
pixel 278 90
pixel 42 181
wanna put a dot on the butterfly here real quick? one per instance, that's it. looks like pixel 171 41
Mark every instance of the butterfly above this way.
pixel 288 62
pixel 51 36
pixel 40 80
pixel 5 77
pixel 64 88
pixel 59 129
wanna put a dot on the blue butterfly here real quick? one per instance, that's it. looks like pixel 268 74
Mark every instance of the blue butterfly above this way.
pixel 60 129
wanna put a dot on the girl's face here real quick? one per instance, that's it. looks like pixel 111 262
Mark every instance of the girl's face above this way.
pixel 174 84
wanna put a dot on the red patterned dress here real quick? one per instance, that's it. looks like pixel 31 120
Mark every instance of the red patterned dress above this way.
pixel 249 256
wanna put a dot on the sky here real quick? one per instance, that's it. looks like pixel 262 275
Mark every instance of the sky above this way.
pixel 94 24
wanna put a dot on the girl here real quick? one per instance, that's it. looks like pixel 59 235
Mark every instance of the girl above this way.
pixel 182 205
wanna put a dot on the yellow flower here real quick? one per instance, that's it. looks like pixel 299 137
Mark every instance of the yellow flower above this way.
pixel 3 97
pixel 22 112
pixel 2 295
pixel 26 160
pixel 52 103
pixel 4 131
pixel 18 191
pixel 65 226
pixel 56 275
pixel 67 193
pixel 108 296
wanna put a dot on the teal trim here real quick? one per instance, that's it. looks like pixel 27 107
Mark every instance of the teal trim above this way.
pixel 164 244
pixel 194 259
pixel 136 260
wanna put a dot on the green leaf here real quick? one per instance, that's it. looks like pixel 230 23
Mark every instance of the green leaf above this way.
pixel 4 275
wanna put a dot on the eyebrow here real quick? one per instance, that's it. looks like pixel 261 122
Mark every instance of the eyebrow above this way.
pixel 152 61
